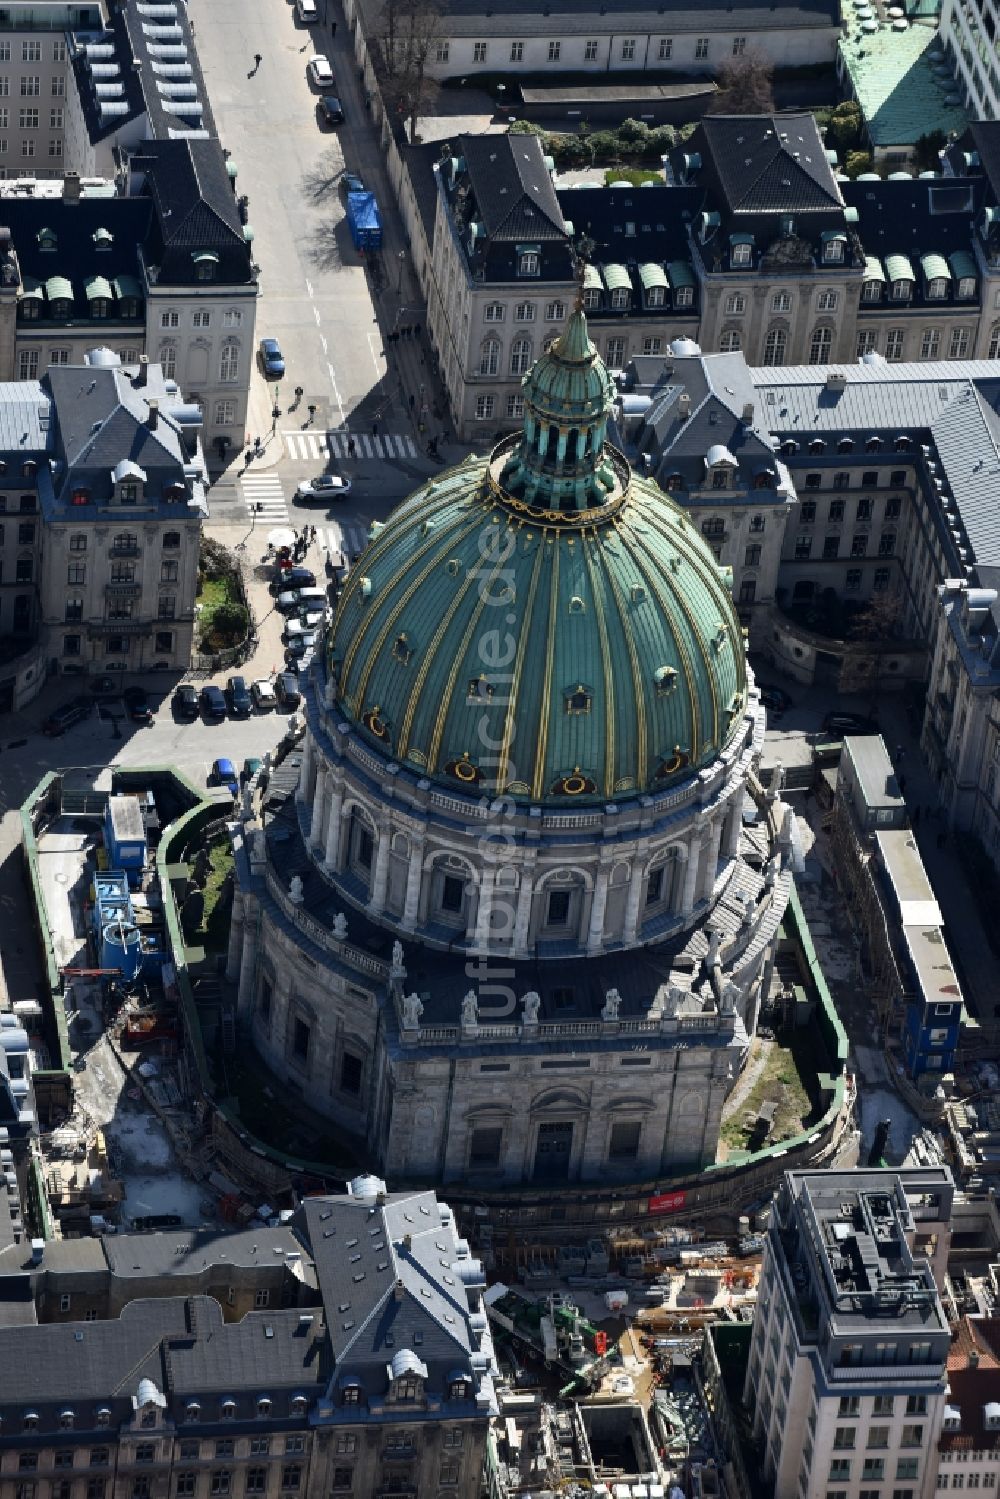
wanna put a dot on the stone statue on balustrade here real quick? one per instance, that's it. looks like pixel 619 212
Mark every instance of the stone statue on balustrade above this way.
pixel 412 1011
pixel 340 926
pixel 532 1004
pixel 470 1009
pixel 397 958
pixel 296 893
pixel 612 1004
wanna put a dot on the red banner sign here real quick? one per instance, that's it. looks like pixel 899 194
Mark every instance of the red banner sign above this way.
pixel 666 1202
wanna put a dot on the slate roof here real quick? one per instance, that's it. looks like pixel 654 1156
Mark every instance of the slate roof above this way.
pixel 967 438
pixel 467 17
pixel 77 256
pixel 102 417
pixel 767 163
pixel 877 398
pixel 393 1277
pixel 184 1251
pixel 195 211
pixel 984 136
pixel 659 217
pixel 914 218
pixel 512 187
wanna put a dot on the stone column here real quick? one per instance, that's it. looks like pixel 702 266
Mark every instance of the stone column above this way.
pixel 331 854
pixel 305 774
pixel 711 862
pixel 690 878
pixel 484 909
pixel 734 827
pixel 235 940
pixel 414 873
pixel 522 916
pixel 633 900
pixel 318 808
pixel 380 878
pixel 598 906
pixel 248 968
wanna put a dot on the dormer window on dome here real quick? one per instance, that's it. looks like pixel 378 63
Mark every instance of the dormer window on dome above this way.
pixel 578 699
pixel 665 678
pixel 480 690
pixel 402 650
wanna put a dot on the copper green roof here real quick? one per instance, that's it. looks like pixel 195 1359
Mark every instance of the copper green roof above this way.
pixel 962 265
pixel 680 273
pixel 583 652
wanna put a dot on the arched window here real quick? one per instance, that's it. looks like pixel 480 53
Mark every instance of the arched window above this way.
pixel 775 346
pixel 168 360
pixel 820 346
pixel 549 340
pixel 229 362
pixel 994 348
pixel 731 341
pixel 489 357
pixel 171 539
pixel 520 356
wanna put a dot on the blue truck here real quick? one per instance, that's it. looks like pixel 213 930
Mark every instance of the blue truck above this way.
pixel 364 221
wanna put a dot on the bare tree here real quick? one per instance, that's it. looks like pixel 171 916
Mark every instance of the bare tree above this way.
pixel 745 87
pixel 873 629
pixel 409 30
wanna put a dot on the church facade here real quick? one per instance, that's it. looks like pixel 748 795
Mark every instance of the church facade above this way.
pixel 511 918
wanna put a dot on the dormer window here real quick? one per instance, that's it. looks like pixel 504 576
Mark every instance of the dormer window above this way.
pixel 29 468
pixel 352 1394
pixel 103 1417
pixel 591 297
pixel 402 650
pixel 720 478
pixel 192 1411
pixel 741 250
pixel 529 260
pixel 871 291
pixel 228 1410
pixel 966 288
pixel 47 240
pixel 675 482
pixel 103 239
pixel 264 1406
pixel 833 247
pixel 481 690
pixel 578 700
pixel 206 265
pixel 656 296
pixel 620 299
pixel 299 1405
pixel 128 494
pixel 66 1420
pixel 457 1385
pixel 900 291
pixel 684 296
pixel 407 1389
pixel 937 289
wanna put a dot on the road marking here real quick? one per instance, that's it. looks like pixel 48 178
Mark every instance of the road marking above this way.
pixel 317 446
pixel 316 316
pixel 371 348
pixel 309 288
pixel 322 339
pixel 336 393
pixel 343 536
pixel 266 491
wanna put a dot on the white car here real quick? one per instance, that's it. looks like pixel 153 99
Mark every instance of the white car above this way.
pixel 296 627
pixel 312 619
pixel 263 694
pixel 325 487
pixel 320 72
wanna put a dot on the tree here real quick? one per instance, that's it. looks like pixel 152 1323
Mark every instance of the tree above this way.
pixel 229 621
pixel 846 125
pixel 926 149
pixel 408 31
pixel 857 162
pixel 745 86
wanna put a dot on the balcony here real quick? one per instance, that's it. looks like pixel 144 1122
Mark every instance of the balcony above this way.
pixel 122 590
pixel 124 549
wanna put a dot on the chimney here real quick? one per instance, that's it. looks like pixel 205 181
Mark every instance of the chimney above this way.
pixel 71 187
pixel 748 414
pixel 973 1359
pixel 154 416
pixel 143 375
pixel 684 405
pixel 37 1251
pixel 398 1290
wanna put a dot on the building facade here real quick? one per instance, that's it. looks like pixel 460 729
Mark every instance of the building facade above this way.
pixel 243 1363
pixel 846 1382
pixel 518 871
pixel 753 244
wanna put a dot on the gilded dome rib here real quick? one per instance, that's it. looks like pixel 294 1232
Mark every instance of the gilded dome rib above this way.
pixel 538 786
pixel 609 701
pixel 503 766
pixel 642 725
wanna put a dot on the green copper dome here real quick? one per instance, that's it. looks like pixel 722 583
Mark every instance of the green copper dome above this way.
pixel 542 622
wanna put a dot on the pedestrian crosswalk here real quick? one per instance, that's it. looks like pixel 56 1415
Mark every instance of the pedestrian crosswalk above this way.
pixel 321 446
pixel 347 537
pixel 264 497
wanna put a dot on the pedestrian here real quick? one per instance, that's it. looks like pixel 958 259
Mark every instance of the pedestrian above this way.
pixel 312 533
pixel 352 448
pixel 900 754
pixel 901 780
pixel 413 401
pixel 374 429
pixel 333 28
pixel 416 330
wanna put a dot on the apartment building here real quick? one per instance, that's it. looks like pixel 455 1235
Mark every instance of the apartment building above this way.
pixel 345 1353
pixel 751 245
pixel 846 1381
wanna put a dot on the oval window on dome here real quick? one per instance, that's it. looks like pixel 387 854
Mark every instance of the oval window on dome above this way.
pixel 463 770
pixel 673 763
pixel 577 783
pixel 376 724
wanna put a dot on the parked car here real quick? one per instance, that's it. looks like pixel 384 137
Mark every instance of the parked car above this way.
pixel 350 182
pixel 185 701
pixel 239 697
pixel 307 11
pixel 295 628
pixel 839 724
pixel 331 111
pixel 137 705
pixel 775 699
pixel 292 577
pixel 324 487
pixel 319 71
pixel 287 689
pixel 64 717
pixel 298 645
pixel 311 619
pixel 263 695
pixel 271 358
pixel 223 773
pixel 213 702
pixel 252 766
